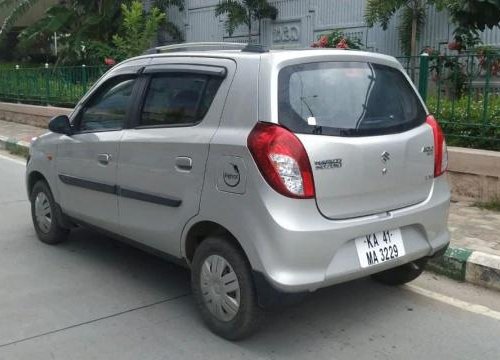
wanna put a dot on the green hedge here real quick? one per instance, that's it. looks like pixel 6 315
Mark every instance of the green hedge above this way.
pixel 466 123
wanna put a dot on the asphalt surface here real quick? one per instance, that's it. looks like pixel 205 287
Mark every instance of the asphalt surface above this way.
pixel 95 298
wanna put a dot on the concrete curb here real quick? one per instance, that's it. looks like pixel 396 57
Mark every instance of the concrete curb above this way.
pixel 14 146
pixel 471 266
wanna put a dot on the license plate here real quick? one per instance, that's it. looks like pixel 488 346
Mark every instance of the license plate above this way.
pixel 380 247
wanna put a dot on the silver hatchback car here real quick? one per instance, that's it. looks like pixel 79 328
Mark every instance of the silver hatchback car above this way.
pixel 270 174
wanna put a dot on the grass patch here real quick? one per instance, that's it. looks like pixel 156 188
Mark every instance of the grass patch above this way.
pixel 18 150
pixel 493 205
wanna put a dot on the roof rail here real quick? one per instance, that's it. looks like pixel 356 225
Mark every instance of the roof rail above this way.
pixel 256 48
pixel 205 46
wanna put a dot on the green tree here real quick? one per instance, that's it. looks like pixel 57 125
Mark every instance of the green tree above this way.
pixel 17 10
pixel 139 29
pixel 168 26
pixel 470 17
pixel 84 29
pixel 164 4
pixel 413 15
pixel 244 12
pixel 475 14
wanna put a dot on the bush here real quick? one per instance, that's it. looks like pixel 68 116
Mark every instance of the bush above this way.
pixel 337 39
pixel 139 29
pixel 465 122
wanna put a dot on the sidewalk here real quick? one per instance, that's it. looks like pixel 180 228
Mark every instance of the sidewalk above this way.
pixel 17 137
pixel 474 252
pixel 473 256
pixel 475 229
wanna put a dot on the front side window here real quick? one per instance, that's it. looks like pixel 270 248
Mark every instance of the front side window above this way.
pixel 178 99
pixel 108 108
pixel 347 99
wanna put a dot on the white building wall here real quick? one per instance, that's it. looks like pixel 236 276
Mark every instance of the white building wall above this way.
pixel 300 22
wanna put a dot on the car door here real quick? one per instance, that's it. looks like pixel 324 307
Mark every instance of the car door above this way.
pixel 87 160
pixel 162 158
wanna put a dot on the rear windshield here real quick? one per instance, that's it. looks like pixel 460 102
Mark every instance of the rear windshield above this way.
pixel 347 99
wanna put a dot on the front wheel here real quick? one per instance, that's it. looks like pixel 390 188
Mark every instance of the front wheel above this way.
pixel 401 274
pixel 45 216
pixel 223 288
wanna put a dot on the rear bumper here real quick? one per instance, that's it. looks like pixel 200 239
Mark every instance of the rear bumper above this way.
pixel 300 251
pixel 269 296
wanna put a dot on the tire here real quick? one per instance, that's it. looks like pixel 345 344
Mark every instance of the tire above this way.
pixel 233 322
pixel 46 221
pixel 401 274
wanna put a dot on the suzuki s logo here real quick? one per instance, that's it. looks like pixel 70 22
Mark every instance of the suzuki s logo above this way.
pixel 385 157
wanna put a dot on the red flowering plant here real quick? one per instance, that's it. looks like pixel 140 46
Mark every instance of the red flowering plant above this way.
pixel 454 72
pixel 488 56
pixel 109 61
pixel 337 40
pixel 450 71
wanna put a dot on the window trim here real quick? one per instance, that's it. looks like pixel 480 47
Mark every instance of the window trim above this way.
pixel 147 77
pixel 96 92
pixel 211 70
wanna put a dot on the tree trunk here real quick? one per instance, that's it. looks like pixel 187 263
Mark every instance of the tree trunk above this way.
pixel 249 26
pixel 413 44
pixel 260 32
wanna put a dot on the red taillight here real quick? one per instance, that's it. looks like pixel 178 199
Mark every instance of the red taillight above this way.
pixel 282 160
pixel 440 150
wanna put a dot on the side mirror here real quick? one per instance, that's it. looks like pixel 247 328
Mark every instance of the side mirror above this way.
pixel 60 125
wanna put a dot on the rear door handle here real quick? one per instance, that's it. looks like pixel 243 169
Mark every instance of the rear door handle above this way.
pixel 183 163
pixel 104 159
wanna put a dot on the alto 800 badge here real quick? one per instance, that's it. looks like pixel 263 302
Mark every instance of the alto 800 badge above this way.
pixel 328 164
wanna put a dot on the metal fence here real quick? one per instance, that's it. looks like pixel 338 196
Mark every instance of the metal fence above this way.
pixel 463 92
pixel 58 86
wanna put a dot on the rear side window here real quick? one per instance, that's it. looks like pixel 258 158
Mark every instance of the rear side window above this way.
pixel 347 99
pixel 178 99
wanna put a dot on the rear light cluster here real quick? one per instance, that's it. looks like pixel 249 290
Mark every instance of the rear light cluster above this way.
pixel 282 160
pixel 440 149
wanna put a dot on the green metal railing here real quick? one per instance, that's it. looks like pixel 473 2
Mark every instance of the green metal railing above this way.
pixel 60 86
pixel 463 92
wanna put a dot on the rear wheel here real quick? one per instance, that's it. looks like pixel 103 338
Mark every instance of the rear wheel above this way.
pixel 223 288
pixel 45 216
pixel 401 274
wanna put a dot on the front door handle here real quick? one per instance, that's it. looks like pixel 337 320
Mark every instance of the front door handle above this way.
pixel 183 163
pixel 104 159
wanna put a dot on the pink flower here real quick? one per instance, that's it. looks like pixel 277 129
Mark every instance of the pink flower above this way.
pixel 342 44
pixel 321 43
pixel 110 61
pixel 455 45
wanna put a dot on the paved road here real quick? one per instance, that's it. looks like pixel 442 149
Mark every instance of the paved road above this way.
pixel 94 298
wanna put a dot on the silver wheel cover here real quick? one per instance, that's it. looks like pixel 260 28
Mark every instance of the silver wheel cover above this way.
pixel 43 212
pixel 220 288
